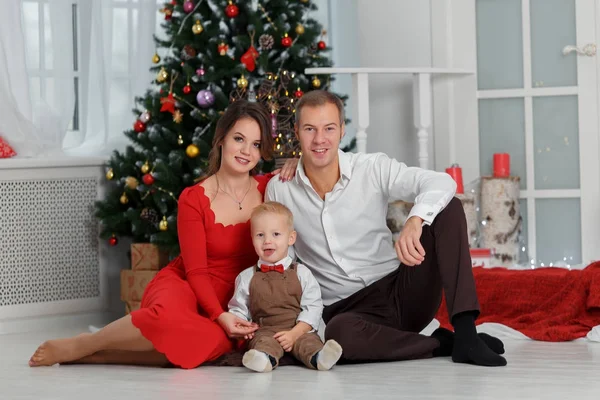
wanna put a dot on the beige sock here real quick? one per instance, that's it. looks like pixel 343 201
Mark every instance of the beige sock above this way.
pixel 329 355
pixel 257 361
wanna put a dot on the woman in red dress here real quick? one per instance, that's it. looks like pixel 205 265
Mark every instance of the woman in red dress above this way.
pixel 182 319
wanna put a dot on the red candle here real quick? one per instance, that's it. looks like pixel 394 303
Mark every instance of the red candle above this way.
pixel 501 165
pixel 456 173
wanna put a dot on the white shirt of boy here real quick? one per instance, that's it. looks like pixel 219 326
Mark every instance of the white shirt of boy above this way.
pixel 310 303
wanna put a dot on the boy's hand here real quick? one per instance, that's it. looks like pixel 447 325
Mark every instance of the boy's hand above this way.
pixel 286 339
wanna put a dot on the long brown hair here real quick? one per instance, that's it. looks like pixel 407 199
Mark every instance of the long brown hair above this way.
pixel 236 111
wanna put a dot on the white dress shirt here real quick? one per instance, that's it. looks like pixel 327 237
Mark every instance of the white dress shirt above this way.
pixel 311 303
pixel 344 240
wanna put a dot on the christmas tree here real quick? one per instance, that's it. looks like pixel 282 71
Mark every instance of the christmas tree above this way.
pixel 217 52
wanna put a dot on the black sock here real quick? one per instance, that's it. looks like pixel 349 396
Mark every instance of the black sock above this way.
pixel 313 360
pixel 446 339
pixel 273 360
pixel 470 348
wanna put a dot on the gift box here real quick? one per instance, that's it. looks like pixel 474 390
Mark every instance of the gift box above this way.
pixel 147 257
pixel 131 306
pixel 133 284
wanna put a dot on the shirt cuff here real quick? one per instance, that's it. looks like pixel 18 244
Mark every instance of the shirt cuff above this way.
pixel 424 211
pixel 306 319
pixel 239 314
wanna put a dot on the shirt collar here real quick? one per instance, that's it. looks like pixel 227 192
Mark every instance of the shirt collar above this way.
pixel 286 262
pixel 345 168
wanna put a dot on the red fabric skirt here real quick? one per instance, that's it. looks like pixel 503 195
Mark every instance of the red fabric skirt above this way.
pixel 170 319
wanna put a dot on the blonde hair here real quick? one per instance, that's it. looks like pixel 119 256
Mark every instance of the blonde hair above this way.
pixel 273 207
pixel 316 98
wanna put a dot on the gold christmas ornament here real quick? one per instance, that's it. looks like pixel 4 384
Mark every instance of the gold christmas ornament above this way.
pixel 110 174
pixel 299 29
pixel 316 82
pixel 162 75
pixel 163 224
pixel 179 140
pixel 155 58
pixel 145 168
pixel 242 82
pixel 177 117
pixel 124 199
pixel 192 151
pixel 197 28
pixel 131 182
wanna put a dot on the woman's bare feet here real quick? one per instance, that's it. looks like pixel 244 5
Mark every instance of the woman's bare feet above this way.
pixel 60 351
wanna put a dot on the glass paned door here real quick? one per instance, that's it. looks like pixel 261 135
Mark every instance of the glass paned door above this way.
pixel 543 112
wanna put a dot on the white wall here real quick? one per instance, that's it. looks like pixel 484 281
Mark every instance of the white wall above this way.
pixel 381 33
pixel 393 33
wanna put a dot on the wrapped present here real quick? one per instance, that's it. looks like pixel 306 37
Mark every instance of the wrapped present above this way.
pixel 131 306
pixel 147 257
pixel 133 284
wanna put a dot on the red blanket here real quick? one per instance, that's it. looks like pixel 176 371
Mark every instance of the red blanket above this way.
pixel 550 304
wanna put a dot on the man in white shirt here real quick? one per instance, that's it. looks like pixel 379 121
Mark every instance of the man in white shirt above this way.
pixel 376 306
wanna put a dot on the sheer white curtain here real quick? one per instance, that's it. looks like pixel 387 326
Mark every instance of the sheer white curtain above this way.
pixel 115 48
pixel 117 57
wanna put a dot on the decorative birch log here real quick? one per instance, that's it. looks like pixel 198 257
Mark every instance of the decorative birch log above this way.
pixel 398 212
pixel 501 218
pixel 396 217
pixel 468 203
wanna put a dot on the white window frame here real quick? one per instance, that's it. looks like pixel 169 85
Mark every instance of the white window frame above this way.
pixel 456 122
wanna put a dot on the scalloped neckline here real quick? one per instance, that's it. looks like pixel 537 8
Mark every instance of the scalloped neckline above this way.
pixel 214 217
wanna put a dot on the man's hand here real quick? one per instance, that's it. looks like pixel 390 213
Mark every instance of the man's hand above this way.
pixel 408 246
pixel 286 339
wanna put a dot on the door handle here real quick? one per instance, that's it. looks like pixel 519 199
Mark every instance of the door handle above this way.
pixel 587 50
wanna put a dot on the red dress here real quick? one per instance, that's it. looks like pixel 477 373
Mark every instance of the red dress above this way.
pixel 180 305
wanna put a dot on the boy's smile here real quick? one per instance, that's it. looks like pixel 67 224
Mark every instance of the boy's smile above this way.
pixel 271 236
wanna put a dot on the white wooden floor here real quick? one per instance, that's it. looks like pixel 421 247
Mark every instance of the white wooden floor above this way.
pixel 535 371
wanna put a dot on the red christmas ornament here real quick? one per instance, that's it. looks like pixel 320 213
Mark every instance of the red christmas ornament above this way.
pixel 249 58
pixel 222 48
pixel 5 150
pixel 286 41
pixel 321 45
pixel 187 89
pixel 139 126
pixel 232 10
pixel 113 241
pixel 298 93
pixel 148 179
pixel 168 103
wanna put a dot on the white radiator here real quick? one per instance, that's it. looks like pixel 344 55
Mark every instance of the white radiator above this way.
pixel 50 261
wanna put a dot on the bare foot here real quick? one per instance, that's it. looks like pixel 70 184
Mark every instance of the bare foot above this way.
pixel 59 351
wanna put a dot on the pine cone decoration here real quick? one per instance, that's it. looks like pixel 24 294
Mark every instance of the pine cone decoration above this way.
pixel 149 215
pixel 266 41
pixel 188 52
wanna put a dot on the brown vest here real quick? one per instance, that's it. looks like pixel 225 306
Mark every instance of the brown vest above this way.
pixel 275 298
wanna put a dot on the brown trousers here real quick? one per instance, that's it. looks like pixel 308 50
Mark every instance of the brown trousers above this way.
pixel 275 306
pixel 382 321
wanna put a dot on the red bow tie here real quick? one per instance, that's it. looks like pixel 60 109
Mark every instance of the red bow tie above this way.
pixel 268 268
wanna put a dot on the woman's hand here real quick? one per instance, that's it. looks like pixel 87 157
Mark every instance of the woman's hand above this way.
pixel 236 327
pixel 287 172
